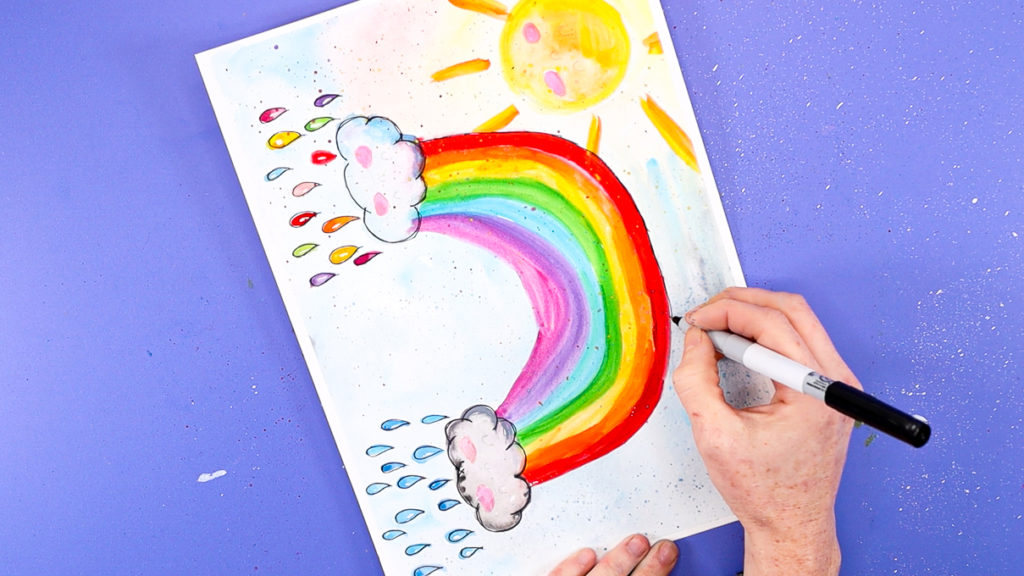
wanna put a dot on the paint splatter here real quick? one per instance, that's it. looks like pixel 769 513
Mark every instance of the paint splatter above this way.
pixel 871 438
pixel 207 476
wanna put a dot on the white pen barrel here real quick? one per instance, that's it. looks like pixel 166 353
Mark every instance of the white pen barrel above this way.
pixel 775 366
pixel 760 359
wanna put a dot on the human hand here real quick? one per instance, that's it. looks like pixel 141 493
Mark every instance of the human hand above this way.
pixel 633 556
pixel 777 466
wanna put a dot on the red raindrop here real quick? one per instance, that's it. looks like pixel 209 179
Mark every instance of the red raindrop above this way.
pixel 321 157
pixel 301 219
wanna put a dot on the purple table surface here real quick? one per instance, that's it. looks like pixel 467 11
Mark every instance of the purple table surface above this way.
pixel 869 156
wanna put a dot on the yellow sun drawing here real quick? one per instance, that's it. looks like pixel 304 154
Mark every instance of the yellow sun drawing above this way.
pixel 565 56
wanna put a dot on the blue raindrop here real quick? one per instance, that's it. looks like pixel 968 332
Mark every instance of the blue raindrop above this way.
pixel 377 450
pixel 432 418
pixel 407 515
pixel 276 173
pixel 425 570
pixel 445 505
pixel 408 481
pixel 376 488
pixel 457 535
pixel 438 483
pixel 390 425
pixel 415 549
pixel 391 467
pixel 392 534
pixel 467 552
pixel 424 453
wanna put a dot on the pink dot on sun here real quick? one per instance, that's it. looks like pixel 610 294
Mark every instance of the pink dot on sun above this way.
pixel 531 33
pixel 364 156
pixel 554 82
pixel 485 497
pixel 380 204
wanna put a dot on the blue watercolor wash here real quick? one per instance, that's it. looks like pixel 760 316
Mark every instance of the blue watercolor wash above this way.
pixel 390 425
pixel 445 505
pixel 391 467
pixel 408 481
pixel 424 453
pixel 376 488
pixel 457 535
pixel 377 450
pixel 407 515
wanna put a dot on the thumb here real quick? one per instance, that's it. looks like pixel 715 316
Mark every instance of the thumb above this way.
pixel 696 379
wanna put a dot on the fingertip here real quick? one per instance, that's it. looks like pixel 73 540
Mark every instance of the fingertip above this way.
pixel 638 545
pixel 585 558
pixel 694 337
pixel 666 552
pixel 579 564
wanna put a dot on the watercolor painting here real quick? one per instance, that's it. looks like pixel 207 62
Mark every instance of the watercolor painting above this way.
pixel 481 218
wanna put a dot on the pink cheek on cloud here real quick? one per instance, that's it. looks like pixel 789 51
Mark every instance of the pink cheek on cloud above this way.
pixel 485 497
pixel 364 156
pixel 380 204
pixel 554 82
pixel 531 33
pixel 468 448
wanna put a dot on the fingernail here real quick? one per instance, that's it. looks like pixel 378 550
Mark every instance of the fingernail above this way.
pixel 637 546
pixel 667 552
pixel 689 315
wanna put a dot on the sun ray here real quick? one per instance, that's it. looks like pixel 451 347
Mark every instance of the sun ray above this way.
pixel 676 138
pixel 486 7
pixel 653 44
pixel 594 136
pixel 461 69
pixel 498 122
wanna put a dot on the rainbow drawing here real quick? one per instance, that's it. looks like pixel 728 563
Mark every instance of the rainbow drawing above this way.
pixel 559 216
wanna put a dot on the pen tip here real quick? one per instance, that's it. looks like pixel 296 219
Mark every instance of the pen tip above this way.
pixel 677 319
